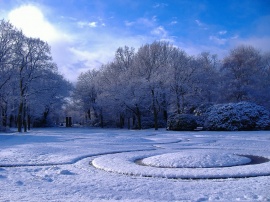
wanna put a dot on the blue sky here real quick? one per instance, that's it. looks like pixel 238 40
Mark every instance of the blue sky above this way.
pixel 84 34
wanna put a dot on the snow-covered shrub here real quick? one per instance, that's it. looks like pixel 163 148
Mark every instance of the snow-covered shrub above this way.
pixel 237 116
pixel 201 113
pixel 182 122
pixel 202 109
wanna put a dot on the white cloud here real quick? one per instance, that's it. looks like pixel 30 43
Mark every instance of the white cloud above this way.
pixel 82 24
pixel 160 5
pixel 222 32
pixel 159 31
pixel 217 40
pixel 194 49
pixel 235 37
pixel 173 22
pixel 261 43
pixel 201 25
pixel 128 23
pixel 86 49
pixel 32 22
pixel 92 24
pixel 146 22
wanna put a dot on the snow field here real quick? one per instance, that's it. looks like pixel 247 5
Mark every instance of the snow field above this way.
pixel 61 165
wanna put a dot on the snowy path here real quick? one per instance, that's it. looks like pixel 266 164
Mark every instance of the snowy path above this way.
pixel 73 164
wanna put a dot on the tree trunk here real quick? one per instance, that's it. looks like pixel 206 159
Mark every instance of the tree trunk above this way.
pixel 101 119
pixel 165 115
pixel 67 124
pixel 11 120
pixel 155 111
pixel 121 121
pixel 156 118
pixel 4 116
pixel 138 115
pixel 89 114
pixel 178 105
pixel 19 119
pixel 24 119
pixel 29 122
pixel 128 122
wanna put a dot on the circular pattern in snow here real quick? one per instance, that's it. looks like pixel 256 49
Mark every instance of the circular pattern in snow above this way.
pixel 195 159
pixel 124 163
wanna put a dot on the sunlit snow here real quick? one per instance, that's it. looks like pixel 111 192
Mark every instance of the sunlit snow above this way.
pixel 77 164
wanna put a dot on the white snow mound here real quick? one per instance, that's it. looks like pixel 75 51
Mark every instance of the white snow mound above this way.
pixel 195 159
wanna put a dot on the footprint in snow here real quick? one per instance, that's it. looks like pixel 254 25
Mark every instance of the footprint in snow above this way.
pixel 47 178
pixel 19 183
pixel 2 177
pixel 66 172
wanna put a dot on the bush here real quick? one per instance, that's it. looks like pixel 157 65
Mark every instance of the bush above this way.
pixel 237 116
pixel 182 122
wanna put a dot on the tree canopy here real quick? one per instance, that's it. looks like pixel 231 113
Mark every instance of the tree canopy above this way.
pixel 30 85
pixel 140 89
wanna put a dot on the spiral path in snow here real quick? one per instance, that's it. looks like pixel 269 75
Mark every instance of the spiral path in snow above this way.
pixel 187 164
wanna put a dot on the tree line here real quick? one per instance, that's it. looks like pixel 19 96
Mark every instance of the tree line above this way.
pixel 31 89
pixel 141 89
pixel 137 89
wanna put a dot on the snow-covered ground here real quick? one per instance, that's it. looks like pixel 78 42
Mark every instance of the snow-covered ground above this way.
pixel 78 164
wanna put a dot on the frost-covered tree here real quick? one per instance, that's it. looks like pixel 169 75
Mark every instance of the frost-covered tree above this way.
pixel 85 93
pixel 48 95
pixel 182 72
pixel 152 62
pixel 207 78
pixel 261 93
pixel 32 59
pixel 161 80
pixel 25 64
pixel 241 74
pixel 7 36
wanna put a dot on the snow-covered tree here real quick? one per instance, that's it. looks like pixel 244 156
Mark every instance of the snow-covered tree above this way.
pixel 85 93
pixel 32 59
pixel 48 95
pixel 207 78
pixel 25 66
pixel 181 80
pixel 7 36
pixel 161 79
pixel 241 74
pixel 152 65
